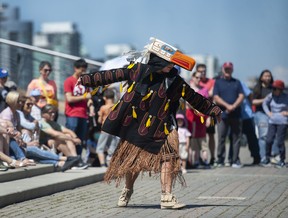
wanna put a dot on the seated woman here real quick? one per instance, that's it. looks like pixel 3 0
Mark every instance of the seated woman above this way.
pixel 9 114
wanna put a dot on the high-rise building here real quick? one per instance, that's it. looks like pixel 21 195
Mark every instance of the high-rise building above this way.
pixel 62 37
pixel 17 61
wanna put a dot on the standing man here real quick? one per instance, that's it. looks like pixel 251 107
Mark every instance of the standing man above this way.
pixel 210 130
pixel 228 94
pixel 76 103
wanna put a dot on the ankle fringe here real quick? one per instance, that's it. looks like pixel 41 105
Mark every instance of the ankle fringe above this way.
pixel 129 158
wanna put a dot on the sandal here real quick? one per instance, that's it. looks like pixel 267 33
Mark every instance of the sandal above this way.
pixel 3 167
pixel 17 164
pixel 29 162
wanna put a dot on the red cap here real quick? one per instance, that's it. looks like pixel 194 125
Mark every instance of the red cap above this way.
pixel 228 65
pixel 278 84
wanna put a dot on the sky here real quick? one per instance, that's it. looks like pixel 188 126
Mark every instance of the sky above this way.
pixel 253 34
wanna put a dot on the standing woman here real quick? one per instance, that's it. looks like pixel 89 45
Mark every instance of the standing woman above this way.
pixel 46 86
pixel 260 91
pixel 197 127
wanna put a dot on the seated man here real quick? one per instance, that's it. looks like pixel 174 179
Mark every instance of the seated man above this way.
pixel 58 136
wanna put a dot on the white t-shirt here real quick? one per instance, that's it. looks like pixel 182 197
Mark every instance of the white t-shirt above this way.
pixel 183 133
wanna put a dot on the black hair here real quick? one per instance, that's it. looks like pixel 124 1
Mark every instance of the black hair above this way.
pixel 109 94
pixel 200 65
pixel 258 86
pixel 43 64
pixel 47 108
pixel 80 63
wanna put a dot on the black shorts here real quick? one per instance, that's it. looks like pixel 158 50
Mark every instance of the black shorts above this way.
pixel 210 129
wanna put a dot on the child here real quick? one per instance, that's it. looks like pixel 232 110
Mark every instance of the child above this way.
pixel 184 140
pixel 105 139
pixel 275 106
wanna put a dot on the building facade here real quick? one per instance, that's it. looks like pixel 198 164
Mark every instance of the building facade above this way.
pixel 62 37
pixel 17 61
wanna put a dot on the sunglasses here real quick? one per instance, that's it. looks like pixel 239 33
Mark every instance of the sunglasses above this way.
pixel 47 70
pixel 29 104
pixel 51 112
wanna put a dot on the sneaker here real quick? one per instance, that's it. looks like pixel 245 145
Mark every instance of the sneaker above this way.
pixel 212 161
pixel 219 164
pixel 169 201
pixel 265 163
pixel 207 166
pixel 275 160
pixel 280 164
pixel 80 166
pixel 69 163
pixel 237 165
pixel 228 164
pixel 125 197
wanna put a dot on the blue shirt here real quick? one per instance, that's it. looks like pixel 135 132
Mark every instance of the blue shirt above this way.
pixel 229 91
pixel 246 108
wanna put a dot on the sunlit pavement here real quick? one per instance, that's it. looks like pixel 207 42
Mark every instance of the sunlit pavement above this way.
pixel 251 191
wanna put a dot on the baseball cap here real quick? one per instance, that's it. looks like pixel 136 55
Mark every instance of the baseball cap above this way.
pixel 279 84
pixel 3 73
pixel 228 65
pixel 180 116
pixel 35 92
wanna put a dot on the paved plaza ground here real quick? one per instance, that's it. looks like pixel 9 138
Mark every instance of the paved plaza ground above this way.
pixel 252 191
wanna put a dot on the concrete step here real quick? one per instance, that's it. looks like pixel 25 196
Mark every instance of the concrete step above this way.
pixel 46 184
pixel 26 172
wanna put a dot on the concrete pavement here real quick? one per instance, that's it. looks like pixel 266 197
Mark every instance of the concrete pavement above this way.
pixel 222 192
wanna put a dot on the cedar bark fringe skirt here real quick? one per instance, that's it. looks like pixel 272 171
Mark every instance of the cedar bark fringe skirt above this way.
pixel 129 158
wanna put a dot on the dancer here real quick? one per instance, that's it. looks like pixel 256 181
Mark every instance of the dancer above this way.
pixel 144 118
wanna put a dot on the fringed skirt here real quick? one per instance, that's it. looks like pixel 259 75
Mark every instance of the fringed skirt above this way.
pixel 129 158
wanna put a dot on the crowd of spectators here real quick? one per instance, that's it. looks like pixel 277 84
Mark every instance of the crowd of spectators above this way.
pixel 30 133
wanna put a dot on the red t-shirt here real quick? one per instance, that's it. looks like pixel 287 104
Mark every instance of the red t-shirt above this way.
pixel 76 109
pixel 197 129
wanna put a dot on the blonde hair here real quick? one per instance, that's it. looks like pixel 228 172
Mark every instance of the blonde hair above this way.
pixel 12 99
